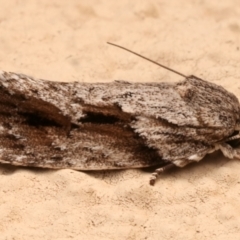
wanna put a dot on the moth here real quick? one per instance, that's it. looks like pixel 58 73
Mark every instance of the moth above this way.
pixel 117 125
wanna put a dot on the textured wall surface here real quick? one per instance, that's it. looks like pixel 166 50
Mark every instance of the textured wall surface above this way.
pixel 66 41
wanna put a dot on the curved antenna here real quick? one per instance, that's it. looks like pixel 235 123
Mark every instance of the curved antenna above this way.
pixel 139 55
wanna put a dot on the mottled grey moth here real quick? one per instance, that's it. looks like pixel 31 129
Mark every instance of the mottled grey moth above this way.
pixel 117 125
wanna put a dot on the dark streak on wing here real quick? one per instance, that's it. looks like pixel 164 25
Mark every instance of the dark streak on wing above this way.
pixel 35 133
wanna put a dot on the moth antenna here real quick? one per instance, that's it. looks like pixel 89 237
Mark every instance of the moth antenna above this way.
pixel 148 59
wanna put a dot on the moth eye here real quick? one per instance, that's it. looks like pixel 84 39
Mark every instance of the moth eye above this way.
pixel 185 93
pixel 188 94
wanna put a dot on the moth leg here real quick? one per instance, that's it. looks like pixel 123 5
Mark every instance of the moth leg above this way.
pixel 228 151
pixel 179 163
pixel 158 171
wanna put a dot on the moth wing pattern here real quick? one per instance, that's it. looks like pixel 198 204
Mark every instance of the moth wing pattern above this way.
pixel 60 125
pixel 117 125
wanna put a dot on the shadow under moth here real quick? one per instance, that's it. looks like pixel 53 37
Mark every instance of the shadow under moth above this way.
pixel 117 125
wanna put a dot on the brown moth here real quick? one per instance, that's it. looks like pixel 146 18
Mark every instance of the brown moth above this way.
pixel 117 125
